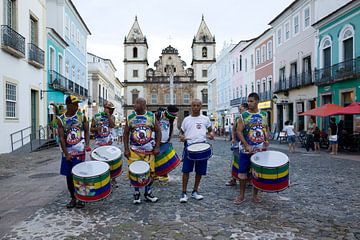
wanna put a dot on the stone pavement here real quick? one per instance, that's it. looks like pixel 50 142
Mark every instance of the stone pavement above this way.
pixel 323 202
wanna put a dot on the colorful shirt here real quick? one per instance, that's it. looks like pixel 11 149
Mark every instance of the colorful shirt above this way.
pixel 142 132
pixel 255 127
pixel 105 135
pixel 164 123
pixel 74 133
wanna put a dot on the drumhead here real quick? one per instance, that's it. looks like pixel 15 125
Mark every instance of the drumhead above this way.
pixel 197 147
pixel 139 167
pixel 269 159
pixel 90 169
pixel 106 153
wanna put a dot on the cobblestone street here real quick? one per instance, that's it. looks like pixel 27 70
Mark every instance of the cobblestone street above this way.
pixel 322 203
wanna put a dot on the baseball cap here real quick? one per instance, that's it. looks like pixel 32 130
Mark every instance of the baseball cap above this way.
pixel 71 99
pixel 109 104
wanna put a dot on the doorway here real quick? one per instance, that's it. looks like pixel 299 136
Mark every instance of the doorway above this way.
pixel 34 110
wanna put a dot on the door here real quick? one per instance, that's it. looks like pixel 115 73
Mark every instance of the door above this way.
pixel 34 109
pixel 280 117
pixel 327 62
pixel 348 54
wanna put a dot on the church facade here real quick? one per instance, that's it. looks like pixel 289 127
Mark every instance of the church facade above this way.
pixel 170 81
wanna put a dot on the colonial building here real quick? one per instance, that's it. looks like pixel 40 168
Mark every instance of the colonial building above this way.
pixel 170 81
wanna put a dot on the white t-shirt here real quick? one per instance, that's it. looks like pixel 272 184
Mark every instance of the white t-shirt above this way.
pixel 195 128
pixel 289 129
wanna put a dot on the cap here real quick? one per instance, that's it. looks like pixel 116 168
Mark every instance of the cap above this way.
pixel 109 105
pixel 71 99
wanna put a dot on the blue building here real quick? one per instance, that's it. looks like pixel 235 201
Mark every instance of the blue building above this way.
pixel 66 58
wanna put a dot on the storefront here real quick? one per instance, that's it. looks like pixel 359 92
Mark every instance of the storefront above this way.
pixel 267 107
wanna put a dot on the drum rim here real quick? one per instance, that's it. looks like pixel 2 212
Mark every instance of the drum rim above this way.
pixel 260 166
pixel 148 166
pixel 272 167
pixel 103 160
pixel 92 177
pixel 91 162
pixel 203 150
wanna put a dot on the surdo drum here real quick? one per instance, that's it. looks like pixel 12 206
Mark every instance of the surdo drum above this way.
pixel 270 171
pixel 91 181
pixel 111 155
pixel 139 173
pixel 167 160
pixel 199 151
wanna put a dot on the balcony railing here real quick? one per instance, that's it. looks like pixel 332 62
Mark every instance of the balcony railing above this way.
pixel 237 101
pixel 12 41
pixel 294 82
pixel 62 84
pixel 338 72
pixel 36 55
pixel 265 96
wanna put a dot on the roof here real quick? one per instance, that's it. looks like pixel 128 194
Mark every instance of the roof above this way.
pixel 287 8
pixel 256 38
pixel 105 59
pixel 82 21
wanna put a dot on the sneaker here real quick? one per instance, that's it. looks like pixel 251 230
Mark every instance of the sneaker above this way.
pixel 231 182
pixel 137 199
pixel 72 203
pixel 164 178
pixel 80 204
pixel 183 198
pixel 196 195
pixel 150 197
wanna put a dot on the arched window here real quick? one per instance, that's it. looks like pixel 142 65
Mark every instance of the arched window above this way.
pixel 204 52
pixel 325 45
pixel 135 52
pixel 346 43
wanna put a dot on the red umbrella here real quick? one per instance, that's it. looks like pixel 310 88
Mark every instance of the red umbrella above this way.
pixel 353 108
pixel 323 111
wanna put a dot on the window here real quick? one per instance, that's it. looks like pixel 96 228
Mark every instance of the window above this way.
pixel 135 73
pixel 325 60
pixel 78 38
pixel 186 98
pixel 167 99
pixel 73 73
pixel 204 52
pixel 135 52
pixel 252 61
pixel 72 31
pixel 240 63
pixel 204 73
pixel 135 96
pixel 306 17
pixel 287 31
pixel 346 43
pixel 33 30
pixel 10 14
pixel 263 53
pixel 10 100
pixel 296 24
pixel 237 92
pixel 67 26
pixel 269 50
pixel 78 76
pixel 153 98
pixel 257 56
pixel 67 70
pixel 279 36
pixel 61 64
pixel 245 64
pixel 52 59
pixel 204 94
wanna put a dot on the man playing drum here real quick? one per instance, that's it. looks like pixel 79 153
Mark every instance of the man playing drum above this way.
pixel 102 123
pixel 166 119
pixel 253 133
pixel 193 130
pixel 74 139
pixel 143 132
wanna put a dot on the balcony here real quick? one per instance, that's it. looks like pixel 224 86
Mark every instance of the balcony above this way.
pixel 12 42
pixel 265 96
pixel 294 82
pixel 36 56
pixel 339 72
pixel 237 101
pixel 60 83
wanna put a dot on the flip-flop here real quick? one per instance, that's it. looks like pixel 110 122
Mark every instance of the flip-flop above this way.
pixel 237 201
pixel 256 200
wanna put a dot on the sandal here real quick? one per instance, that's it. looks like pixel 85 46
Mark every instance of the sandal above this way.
pixel 238 201
pixel 80 204
pixel 71 204
pixel 256 200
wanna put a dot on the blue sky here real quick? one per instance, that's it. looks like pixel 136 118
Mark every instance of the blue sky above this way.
pixel 230 20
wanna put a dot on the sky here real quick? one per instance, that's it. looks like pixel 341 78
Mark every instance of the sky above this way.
pixel 165 22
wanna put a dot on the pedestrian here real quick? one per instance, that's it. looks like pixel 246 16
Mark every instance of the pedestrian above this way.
pixel 142 133
pixel 317 139
pixel 102 125
pixel 74 140
pixel 333 136
pixel 291 136
pixel 253 132
pixel 194 129
pixel 310 135
pixel 227 132
pixel 121 134
pixel 236 144
pixel 165 118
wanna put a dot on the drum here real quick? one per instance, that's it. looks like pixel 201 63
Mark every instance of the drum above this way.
pixel 91 181
pixel 235 164
pixel 167 160
pixel 270 170
pixel 139 173
pixel 199 151
pixel 111 155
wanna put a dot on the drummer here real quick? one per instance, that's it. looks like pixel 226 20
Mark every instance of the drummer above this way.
pixel 193 130
pixel 102 124
pixel 253 133
pixel 166 119
pixel 143 131
pixel 74 139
